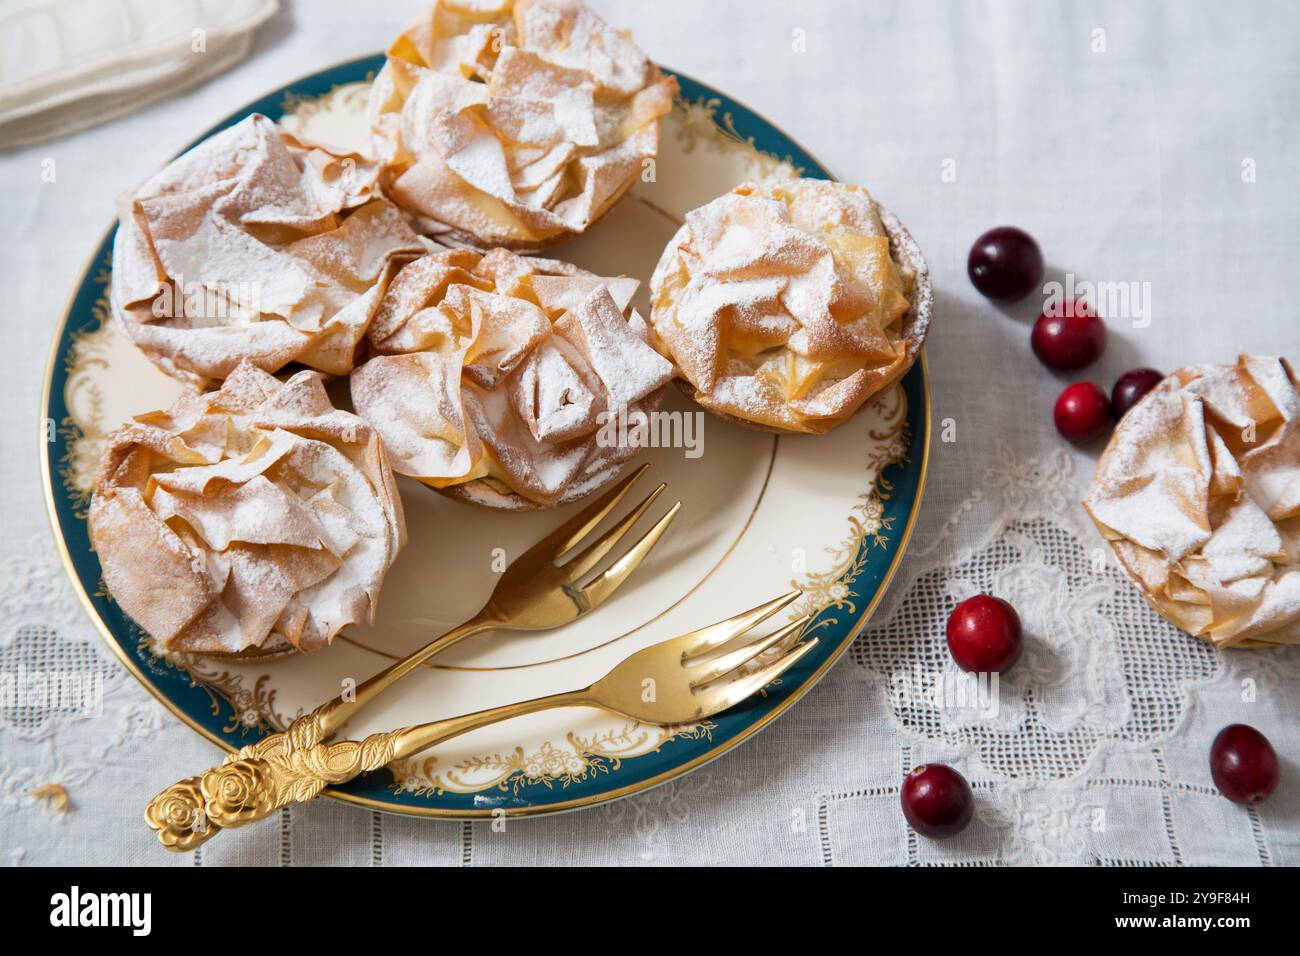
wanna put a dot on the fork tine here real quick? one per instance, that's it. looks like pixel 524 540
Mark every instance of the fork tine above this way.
pixel 607 582
pixel 561 541
pixel 715 635
pixel 721 696
pixel 728 662
pixel 591 555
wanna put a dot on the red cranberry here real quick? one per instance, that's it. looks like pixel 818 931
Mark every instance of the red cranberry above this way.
pixel 1082 412
pixel 1243 764
pixel 937 801
pixel 1130 387
pixel 1068 337
pixel 984 634
pixel 1005 263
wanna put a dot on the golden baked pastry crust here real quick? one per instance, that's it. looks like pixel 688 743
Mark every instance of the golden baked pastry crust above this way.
pixel 253 520
pixel 787 306
pixel 1198 493
pixel 514 123
pixel 493 376
pixel 255 246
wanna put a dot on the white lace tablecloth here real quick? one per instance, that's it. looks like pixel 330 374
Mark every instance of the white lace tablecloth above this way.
pixel 1150 143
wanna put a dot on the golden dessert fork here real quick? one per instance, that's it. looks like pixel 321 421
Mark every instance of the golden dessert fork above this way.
pixel 678 681
pixel 534 593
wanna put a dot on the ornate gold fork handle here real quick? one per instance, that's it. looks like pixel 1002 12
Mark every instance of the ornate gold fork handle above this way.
pixel 301 738
pixel 283 768
pixel 183 815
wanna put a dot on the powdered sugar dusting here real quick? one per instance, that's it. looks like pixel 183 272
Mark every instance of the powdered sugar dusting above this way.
pixel 255 246
pixel 251 518
pixel 1186 491
pixel 517 131
pixel 789 305
pixel 509 389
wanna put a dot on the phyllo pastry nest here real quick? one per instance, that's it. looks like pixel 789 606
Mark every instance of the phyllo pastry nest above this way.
pixel 255 246
pixel 1198 494
pixel 787 306
pixel 253 520
pixel 514 123
pixel 506 381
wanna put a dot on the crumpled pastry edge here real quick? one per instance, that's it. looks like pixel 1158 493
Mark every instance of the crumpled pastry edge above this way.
pixel 1127 552
pixel 123 443
pixel 453 236
pixel 129 239
pixel 489 491
pixel 915 326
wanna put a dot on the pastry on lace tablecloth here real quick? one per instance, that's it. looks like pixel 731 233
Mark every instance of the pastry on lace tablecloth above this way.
pixel 1198 494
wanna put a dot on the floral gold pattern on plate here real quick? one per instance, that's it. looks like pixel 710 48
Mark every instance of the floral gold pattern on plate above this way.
pixel 830 514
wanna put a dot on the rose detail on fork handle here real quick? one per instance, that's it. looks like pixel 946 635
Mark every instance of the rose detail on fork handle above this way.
pixel 239 791
pixel 178 816
pixel 259 779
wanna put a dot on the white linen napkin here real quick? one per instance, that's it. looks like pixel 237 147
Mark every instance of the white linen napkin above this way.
pixel 68 64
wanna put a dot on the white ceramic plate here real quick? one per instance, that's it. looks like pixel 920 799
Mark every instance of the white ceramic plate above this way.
pixel 830 514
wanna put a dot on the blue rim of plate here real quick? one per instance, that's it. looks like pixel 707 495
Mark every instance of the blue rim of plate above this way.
pixel 608 779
